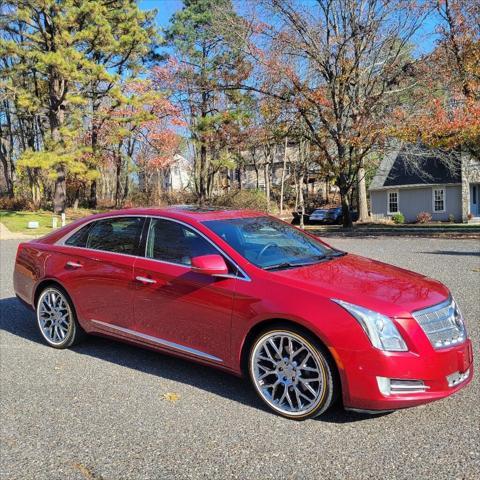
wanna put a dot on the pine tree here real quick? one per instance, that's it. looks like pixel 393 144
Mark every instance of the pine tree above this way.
pixel 77 50
pixel 203 61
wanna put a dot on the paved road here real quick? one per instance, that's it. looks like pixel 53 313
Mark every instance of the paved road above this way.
pixel 99 411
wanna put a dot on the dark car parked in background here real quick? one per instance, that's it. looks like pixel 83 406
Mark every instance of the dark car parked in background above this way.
pixel 330 215
pixel 323 215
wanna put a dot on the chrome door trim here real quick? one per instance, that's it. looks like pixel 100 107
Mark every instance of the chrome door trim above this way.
pixel 72 264
pixel 145 280
pixel 61 242
pixel 159 341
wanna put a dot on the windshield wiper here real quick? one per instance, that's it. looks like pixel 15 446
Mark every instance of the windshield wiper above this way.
pixel 284 265
pixel 319 258
pixel 336 253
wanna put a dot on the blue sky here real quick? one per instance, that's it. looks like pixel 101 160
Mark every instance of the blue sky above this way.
pixel 425 38
pixel 166 8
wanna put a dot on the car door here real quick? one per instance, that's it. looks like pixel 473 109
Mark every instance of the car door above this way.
pixel 98 271
pixel 177 308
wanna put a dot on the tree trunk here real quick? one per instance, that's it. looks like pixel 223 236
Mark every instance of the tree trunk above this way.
pixel 282 181
pixel 36 196
pixel 118 185
pixel 34 187
pixel 59 196
pixel 6 149
pixel 76 199
pixel 126 186
pixel 202 193
pixel 295 179
pixel 57 90
pixel 8 179
pixel 266 174
pixel 362 195
pixel 92 201
pixel 301 201
pixel 344 198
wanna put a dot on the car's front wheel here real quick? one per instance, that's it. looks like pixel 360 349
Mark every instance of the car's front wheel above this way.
pixel 292 373
pixel 56 318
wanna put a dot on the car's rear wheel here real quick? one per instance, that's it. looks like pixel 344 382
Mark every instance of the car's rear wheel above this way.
pixel 56 318
pixel 291 373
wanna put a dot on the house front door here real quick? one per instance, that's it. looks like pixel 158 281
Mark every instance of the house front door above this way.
pixel 474 199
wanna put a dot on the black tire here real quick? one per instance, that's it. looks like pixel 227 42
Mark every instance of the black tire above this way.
pixel 328 390
pixel 52 320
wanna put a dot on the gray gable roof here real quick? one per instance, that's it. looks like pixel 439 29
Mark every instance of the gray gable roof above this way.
pixel 400 168
pixel 384 169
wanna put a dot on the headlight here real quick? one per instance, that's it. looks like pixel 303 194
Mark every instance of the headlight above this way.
pixel 381 331
pixel 458 318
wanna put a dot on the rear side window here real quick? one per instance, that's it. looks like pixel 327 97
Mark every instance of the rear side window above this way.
pixel 79 238
pixel 173 242
pixel 119 235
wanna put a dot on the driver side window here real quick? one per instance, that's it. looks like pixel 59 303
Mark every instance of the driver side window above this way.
pixel 173 242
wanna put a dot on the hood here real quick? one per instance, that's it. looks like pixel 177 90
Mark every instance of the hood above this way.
pixel 389 290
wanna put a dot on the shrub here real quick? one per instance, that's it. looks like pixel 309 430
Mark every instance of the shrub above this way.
pixel 16 203
pixel 398 218
pixel 451 218
pixel 423 217
pixel 250 199
pixel 182 197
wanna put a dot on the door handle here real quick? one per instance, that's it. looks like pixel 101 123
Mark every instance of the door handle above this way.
pixel 145 280
pixel 74 264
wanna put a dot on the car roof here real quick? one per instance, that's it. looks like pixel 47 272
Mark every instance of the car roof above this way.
pixel 188 212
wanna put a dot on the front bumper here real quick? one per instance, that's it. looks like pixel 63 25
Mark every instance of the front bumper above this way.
pixel 434 367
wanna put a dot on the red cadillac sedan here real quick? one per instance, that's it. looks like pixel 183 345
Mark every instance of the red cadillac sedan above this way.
pixel 250 294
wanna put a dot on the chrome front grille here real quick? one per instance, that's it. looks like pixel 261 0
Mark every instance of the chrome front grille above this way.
pixel 443 324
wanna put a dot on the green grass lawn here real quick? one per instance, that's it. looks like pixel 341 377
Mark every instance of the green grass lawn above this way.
pixel 18 221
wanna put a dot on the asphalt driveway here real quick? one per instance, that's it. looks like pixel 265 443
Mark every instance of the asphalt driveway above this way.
pixel 105 410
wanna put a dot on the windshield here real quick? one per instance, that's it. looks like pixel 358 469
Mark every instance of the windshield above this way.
pixel 270 243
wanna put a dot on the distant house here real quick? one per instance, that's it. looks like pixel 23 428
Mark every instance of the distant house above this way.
pixel 252 174
pixel 427 185
pixel 178 176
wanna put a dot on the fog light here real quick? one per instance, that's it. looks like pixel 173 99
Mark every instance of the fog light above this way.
pixel 456 378
pixel 384 385
pixel 389 386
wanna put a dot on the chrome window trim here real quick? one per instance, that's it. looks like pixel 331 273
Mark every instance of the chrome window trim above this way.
pixel 159 341
pixel 244 276
pixel 61 242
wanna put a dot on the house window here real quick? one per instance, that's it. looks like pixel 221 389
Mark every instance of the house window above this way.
pixel 438 200
pixel 392 206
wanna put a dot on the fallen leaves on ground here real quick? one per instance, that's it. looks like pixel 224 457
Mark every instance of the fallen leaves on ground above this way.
pixel 171 397
pixel 86 472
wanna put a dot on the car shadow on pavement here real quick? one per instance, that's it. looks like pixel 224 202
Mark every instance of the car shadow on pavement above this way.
pixel 452 252
pixel 18 320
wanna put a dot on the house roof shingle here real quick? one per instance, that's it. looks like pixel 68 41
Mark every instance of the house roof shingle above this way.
pixel 401 169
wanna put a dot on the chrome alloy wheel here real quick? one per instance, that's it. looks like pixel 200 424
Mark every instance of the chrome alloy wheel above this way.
pixel 54 317
pixel 288 373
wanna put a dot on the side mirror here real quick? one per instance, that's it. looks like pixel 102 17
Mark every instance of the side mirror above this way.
pixel 209 265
